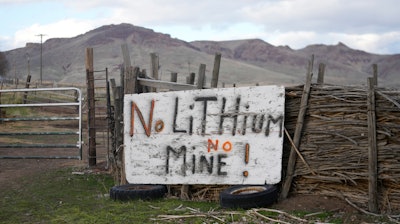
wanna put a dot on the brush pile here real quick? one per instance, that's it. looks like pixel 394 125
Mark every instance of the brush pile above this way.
pixel 334 144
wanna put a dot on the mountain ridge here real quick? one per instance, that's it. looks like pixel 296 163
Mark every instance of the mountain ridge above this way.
pixel 246 61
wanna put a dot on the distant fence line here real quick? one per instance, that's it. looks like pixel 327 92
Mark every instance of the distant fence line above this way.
pixel 8 81
pixel 17 83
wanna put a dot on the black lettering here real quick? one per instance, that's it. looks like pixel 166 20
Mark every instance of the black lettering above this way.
pixel 204 120
pixel 177 153
pixel 230 115
pixel 174 128
pixel 235 116
pixel 190 125
pixel 209 165
pixel 194 163
pixel 191 121
pixel 221 121
pixel 245 121
pixel 279 119
pixel 221 164
pixel 260 125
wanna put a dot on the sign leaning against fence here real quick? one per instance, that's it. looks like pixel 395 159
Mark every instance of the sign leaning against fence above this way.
pixel 211 136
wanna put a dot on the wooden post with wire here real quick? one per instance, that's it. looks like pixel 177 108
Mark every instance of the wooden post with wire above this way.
pixel 91 106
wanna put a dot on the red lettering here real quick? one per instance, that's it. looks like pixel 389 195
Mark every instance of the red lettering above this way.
pixel 147 128
pixel 211 144
pixel 227 146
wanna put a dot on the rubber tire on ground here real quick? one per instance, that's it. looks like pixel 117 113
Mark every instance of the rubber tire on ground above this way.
pixel 248 196
pixel 137 191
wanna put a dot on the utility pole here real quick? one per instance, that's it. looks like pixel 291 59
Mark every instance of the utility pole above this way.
pixel 29 66
pixel 41 55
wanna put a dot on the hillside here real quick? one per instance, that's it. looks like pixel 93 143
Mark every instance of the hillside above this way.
pixel 244 62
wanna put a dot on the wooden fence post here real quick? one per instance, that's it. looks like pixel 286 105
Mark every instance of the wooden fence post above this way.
pixel 321 73
pixel 28 82
pixel 297 134
pixel 91 106
pixel 154 68
pixel 372 149
pixel 118 133
pixel 191 78
pixel 215 74
pixel 128 85
pixel 174 77
pixel 202 76
pixel 130 80
pixel 375 74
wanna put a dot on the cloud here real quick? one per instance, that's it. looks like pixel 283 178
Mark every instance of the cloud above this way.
pixel 371 42
pixel 365 24
pixel 325 16
pixel 177 12
pixel 63 28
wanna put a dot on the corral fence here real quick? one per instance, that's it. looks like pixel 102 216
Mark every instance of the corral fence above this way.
pixel 41 123
pixel 340 141
pixel 348 146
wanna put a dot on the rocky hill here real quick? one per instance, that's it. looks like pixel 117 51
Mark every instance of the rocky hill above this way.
pixel 244 62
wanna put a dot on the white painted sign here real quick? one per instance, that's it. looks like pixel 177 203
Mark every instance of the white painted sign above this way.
pixel 212 136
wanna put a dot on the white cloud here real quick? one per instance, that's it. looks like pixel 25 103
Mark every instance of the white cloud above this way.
pixel 63 28
pixel 369 25
pixel 370 42
pixel 177 12
pixel 297 39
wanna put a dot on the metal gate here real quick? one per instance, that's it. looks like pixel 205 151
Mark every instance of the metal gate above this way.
pixel 46 119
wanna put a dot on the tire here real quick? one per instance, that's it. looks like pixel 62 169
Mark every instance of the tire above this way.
pixel 137 191
pixel 248 196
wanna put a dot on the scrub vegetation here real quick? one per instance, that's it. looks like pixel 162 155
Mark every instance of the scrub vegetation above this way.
pixel 80 196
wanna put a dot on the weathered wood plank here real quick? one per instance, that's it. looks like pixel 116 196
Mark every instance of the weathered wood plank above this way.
pixel 91 106
pixel 154 68
pixel 297 134
pixel 165 85
pixel 372 149
pixel 130 80
pixel 201 77
pixel 215 74
pixel 321 73
pixel 375 74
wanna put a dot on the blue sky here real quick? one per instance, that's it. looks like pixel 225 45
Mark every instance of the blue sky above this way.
pixel 369 25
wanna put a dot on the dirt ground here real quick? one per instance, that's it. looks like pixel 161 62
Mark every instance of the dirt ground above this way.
pixel 12 170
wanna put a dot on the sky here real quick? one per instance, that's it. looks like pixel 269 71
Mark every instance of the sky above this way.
pixel 369 25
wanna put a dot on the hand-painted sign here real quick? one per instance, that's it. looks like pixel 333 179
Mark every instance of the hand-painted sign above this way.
pixel 211 136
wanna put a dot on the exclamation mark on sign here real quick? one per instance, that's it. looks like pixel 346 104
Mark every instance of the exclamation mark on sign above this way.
pixel 246 158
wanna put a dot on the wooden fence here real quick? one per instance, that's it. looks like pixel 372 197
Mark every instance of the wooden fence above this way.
pixel 341 141
pixel 341 153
